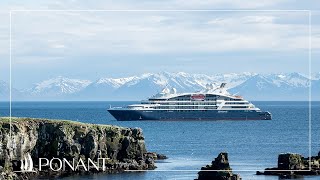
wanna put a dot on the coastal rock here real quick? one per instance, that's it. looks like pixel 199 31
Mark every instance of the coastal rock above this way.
pixel 157 156
pixel 292 165
pixel 161 157
pixel 290 161
pixel 123 148
pixel 218 170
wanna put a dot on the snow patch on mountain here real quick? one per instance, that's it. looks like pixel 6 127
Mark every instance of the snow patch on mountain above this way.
pixel 115 82
pixel 59 85
pixel 4 88
pixel 315 76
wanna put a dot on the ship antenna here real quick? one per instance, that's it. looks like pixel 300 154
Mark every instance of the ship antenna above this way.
pixel 165 86
pixel 221 87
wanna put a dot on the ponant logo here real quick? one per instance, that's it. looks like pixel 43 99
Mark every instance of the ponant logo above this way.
pixel 57 164
pixel 26 164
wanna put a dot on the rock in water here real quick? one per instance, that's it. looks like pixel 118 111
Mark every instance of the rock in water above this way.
pixel 290 161
pixel 161 157
pixel 122 148
pixel 291 165
pixel 218 170
pixel 157 156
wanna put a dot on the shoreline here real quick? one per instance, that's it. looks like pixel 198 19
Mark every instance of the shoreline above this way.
pixel 35 142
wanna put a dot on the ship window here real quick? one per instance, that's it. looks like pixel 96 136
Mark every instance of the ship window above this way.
pixel 239 106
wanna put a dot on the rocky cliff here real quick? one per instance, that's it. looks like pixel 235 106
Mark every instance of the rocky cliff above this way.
pixel 120 148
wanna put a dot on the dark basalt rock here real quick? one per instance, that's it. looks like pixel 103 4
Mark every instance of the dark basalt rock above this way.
pixel 124 147
pixel 291 165
pixel 156 156
pixel 218 170
pixel 161 157
pixel 290 162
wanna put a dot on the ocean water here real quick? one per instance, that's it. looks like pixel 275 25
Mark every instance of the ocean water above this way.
pixel 252 145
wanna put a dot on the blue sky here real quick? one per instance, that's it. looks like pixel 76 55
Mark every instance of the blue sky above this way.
pixel 90 45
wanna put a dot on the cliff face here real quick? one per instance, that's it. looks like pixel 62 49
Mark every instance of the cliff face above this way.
pixel 123 148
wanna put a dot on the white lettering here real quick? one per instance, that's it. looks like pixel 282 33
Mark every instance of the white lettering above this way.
pixel 40 163
pixel 60 164
pixel 68 163
pixel 56 164
pixel 93 164
pixel 81 163
pixel 103 163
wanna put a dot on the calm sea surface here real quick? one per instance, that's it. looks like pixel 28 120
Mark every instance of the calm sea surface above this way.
pixel 252 145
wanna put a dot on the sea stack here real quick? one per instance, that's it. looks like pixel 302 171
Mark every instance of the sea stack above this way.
pixel 218 170
pixel 115 148
pixel 292 165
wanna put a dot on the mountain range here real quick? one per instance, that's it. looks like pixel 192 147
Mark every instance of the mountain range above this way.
pixel 252 86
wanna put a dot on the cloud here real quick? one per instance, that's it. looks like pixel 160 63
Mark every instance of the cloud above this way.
pixel 38 61
pixel 259 19
pixel 65 34
pixel 58 46
pixel 159 19
pixel 74 33
pixel 144 4
pixel 242 20
pixel 219 21
pixel 215 4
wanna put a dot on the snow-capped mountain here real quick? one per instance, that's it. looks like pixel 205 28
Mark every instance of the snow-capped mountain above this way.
pixel 150 83
pixel 5 92
pixel 143 86
pixel 290 79
pixel 253 86
pixel 273 87
pixel 56 87
pixel 316 76
pixel 233 79
pixel 114 82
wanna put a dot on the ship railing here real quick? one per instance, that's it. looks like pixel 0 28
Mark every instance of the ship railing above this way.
pixel 116 107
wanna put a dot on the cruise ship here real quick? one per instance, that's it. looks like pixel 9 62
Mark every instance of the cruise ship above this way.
pixel 209 104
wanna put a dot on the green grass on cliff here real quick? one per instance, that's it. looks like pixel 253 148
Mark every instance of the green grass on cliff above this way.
pixel 53 121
